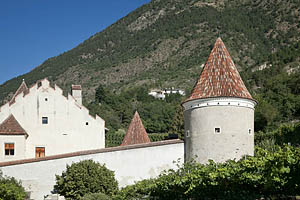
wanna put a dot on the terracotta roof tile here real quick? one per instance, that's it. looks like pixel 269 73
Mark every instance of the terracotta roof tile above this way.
pixel 23 88
pixel 219 77
pixel 76 87
pixel 136 133
pixel 11 126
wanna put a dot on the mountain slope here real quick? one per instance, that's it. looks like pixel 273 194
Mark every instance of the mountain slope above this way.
pixel 166 42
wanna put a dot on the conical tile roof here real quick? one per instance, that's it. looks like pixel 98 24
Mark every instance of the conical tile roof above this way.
pixel 136 133
pixel 11 126
pixel 23 88
pixel 219 77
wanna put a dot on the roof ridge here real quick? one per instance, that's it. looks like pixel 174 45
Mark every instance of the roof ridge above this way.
pixel 22 89
pixel 219 77
pixel 11 126
pixel 136 133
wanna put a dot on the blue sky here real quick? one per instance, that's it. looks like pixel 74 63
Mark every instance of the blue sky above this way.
pixel 33 30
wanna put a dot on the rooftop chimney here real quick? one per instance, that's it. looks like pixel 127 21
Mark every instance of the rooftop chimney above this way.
pixel 76 93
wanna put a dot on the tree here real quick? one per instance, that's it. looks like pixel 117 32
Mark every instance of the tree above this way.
pixel 85 177
pixel 11 189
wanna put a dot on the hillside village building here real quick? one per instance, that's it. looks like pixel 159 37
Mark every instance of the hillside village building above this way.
pixel 219 114
pixel 40 121
pixel 161 94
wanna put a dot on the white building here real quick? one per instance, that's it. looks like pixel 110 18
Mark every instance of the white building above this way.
pixel 40 121
pixel 161 94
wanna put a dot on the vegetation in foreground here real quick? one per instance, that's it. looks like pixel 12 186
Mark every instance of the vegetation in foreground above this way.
pixel 86 177
pixel 11 189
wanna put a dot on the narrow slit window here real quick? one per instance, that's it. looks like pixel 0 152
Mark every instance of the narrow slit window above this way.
pixel 9 149
pixel 44 120
pixel 249 131
pixel 187 133
pixel 217 130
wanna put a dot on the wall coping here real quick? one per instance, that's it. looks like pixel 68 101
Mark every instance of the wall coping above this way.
pixel 88 152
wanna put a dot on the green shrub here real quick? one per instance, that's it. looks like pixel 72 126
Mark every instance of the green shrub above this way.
pixel 85 177
pixel 95 196
pixel 11 189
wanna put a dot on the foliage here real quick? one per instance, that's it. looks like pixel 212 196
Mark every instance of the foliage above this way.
pixel 285 134
pixel 85 177
pixel 158 116
pixel 11 189
pixel 267 174
pixel 95 196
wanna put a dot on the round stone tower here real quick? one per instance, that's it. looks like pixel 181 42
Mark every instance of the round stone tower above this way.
pixel 219 114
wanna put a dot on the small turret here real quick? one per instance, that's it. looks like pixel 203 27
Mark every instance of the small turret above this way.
pixel 77 93
pixel 136 133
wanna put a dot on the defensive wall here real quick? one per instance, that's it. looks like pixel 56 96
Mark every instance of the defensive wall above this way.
pixel 130 163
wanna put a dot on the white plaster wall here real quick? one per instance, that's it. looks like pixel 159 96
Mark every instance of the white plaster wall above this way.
pixel 129 166
pixel 19 143
pixel 233 142
pixel 66 130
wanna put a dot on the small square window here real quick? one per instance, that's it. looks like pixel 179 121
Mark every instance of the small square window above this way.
pixel 9 149
pixel 217 130
pixel 86 123
pixel 46 99
pixel 39 152
pixel 44 120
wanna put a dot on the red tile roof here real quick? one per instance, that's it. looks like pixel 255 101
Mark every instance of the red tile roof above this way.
pixel 219 77
pixel 23 88
pixel 136 133
pixel 11 126
pixel 76 87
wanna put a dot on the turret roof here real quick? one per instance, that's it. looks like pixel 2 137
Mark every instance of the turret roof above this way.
pixel 136 133
pixel 11 126
pixel 219 77
pixel 22 89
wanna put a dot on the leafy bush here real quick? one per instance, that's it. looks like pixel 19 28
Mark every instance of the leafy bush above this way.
pixel 95 196
pixel 267 174
pixel 85 177
pixel 11 189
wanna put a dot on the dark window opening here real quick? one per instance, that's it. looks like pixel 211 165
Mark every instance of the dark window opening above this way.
pixel 44 120
pixel 9 149
pixel 86 123
pixel 46 99
pixel 217 130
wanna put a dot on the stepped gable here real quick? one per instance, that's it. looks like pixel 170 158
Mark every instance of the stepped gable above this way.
pixel 136 133
pixel 11 126
pixel 219 77
pixel 22 89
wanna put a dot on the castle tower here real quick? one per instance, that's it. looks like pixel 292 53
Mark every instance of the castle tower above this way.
pixel 219 114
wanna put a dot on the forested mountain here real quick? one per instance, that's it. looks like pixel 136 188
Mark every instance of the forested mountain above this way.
pixel 166 42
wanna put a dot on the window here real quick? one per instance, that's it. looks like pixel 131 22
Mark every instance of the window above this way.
pixel 249 131
pixel 9 149
pixel 44 120
pixel 86 123
pixel 39 152
pixel 187 133
pixel 217 130
pixel 46 99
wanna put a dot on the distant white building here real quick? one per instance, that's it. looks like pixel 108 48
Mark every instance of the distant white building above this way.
pixel 161 94
pixel 40 121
